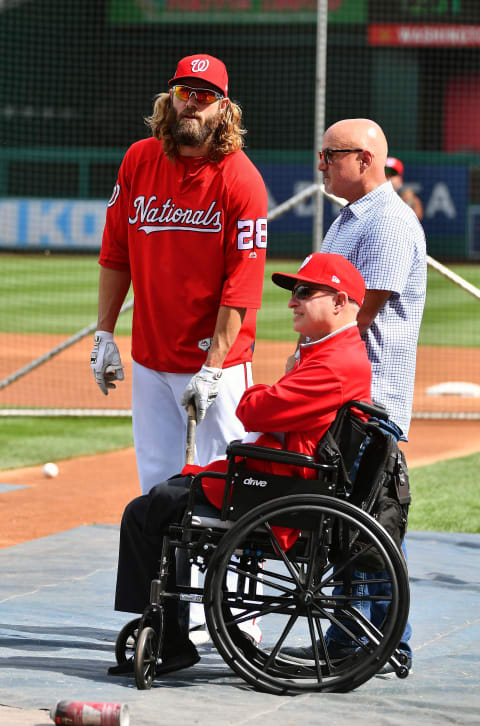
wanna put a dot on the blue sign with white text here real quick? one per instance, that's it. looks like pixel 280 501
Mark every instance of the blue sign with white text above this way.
pixel 442 189
pixel 69 224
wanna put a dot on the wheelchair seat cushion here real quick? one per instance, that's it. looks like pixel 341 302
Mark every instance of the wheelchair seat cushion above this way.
pixel 206 515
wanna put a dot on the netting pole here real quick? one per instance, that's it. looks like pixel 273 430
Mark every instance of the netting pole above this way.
pixel 320 87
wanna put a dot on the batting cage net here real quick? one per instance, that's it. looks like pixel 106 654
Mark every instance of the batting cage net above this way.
pixel 78 78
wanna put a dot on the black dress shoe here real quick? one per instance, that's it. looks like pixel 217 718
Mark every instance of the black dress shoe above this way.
pixel 184 657
pixel 122 669
pixel 302 655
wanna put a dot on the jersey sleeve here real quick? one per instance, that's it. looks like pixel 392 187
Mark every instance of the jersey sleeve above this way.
pixel 245 235
pixel 114 251
pixel 386 254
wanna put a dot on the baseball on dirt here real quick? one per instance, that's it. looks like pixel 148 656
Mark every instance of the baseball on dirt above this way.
pixel 50 470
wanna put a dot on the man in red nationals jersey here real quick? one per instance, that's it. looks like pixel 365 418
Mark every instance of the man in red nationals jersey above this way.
pixel 186 225
pixel 333 368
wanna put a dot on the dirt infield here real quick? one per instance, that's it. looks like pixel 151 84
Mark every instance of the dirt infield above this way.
pixel 65 381
pixel 95 489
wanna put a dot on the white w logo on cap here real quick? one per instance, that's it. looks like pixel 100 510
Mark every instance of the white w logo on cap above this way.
pixel 305 262
pixel 199 65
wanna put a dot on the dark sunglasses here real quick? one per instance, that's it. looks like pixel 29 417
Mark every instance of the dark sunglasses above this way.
pixel 302 292
pixel 202 95
pixel 326 154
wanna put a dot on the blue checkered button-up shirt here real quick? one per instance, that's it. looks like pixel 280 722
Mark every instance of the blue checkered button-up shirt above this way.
pixel 383 238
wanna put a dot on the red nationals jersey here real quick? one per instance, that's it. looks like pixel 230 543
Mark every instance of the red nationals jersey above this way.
pixel 193 234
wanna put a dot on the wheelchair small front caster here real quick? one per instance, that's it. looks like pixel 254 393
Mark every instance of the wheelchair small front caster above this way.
pixel 145 659
pixel 402 672
pixel 126 641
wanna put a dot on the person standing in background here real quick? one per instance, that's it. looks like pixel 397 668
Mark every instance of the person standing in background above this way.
pixel 394 172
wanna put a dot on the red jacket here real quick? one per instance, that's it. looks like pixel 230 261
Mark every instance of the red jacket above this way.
pixel 302 404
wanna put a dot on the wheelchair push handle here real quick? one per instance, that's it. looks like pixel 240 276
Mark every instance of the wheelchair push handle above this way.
pixel 377 410
pixel 191 429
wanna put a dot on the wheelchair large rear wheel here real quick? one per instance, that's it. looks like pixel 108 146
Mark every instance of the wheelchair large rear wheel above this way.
pixel 303 594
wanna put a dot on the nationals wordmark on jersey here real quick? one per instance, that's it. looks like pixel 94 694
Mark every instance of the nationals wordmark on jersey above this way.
pixel 170 217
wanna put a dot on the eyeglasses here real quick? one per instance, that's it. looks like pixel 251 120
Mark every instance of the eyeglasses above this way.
pixel 326 154
pixel 202 95
pixel 302 292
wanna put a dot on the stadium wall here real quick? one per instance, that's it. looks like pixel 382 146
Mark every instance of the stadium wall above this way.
pixel 73 222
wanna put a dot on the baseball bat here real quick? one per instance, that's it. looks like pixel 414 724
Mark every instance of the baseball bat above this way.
pixel 110 371
pixel 191 428
pixel 337 200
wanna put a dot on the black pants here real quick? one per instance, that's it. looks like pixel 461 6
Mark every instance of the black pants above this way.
pixel 145 520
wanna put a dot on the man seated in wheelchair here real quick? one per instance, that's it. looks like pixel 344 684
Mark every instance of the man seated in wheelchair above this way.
pixel 332 368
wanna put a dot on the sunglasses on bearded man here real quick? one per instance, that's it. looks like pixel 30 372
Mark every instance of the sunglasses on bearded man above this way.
pixel 202 95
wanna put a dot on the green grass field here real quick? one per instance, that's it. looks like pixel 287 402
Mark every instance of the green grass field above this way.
pixel 446 496
pixel 28 441
pixel 58 294
pixel 50 294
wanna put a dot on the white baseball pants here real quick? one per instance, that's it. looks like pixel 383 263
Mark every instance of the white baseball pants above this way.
pixel 160 422
pixel 160 432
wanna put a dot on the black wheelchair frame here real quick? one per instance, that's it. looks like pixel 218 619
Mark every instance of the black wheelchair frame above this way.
pixel 296 594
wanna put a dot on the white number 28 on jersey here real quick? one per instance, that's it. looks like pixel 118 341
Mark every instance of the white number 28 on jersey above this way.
pixel 250 232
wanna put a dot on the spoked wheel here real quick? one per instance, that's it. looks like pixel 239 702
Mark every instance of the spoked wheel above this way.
pixel 145 658
pixel 303 594
pixel 127 641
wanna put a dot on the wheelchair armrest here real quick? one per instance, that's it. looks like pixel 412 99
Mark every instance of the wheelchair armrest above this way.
pixel 251 451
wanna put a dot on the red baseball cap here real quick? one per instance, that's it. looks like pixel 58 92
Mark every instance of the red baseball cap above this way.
pixel 326 268
pixel 395 164
pixel 203 68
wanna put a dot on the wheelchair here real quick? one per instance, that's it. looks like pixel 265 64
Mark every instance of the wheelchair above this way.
pixel 294 592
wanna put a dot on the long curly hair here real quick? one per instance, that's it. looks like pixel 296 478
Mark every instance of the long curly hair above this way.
pixel 227 137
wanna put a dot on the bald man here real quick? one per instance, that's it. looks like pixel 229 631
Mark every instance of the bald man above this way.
pixel 381 235
pixel 383 238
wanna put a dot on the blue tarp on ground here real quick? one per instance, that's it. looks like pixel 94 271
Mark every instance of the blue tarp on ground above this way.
pixel 58 629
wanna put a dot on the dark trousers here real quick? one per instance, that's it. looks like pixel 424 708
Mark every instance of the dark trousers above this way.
pixel 145 521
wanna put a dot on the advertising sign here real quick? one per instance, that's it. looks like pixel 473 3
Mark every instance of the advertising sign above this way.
pixel 68 225
pixel 455 36
pixel 442 189
pixel 55 224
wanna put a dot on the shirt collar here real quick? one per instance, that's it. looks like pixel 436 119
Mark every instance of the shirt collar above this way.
pixel 364 204
pixel 327 337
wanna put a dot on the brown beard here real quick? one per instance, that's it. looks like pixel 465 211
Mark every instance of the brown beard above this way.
pixel 188 132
